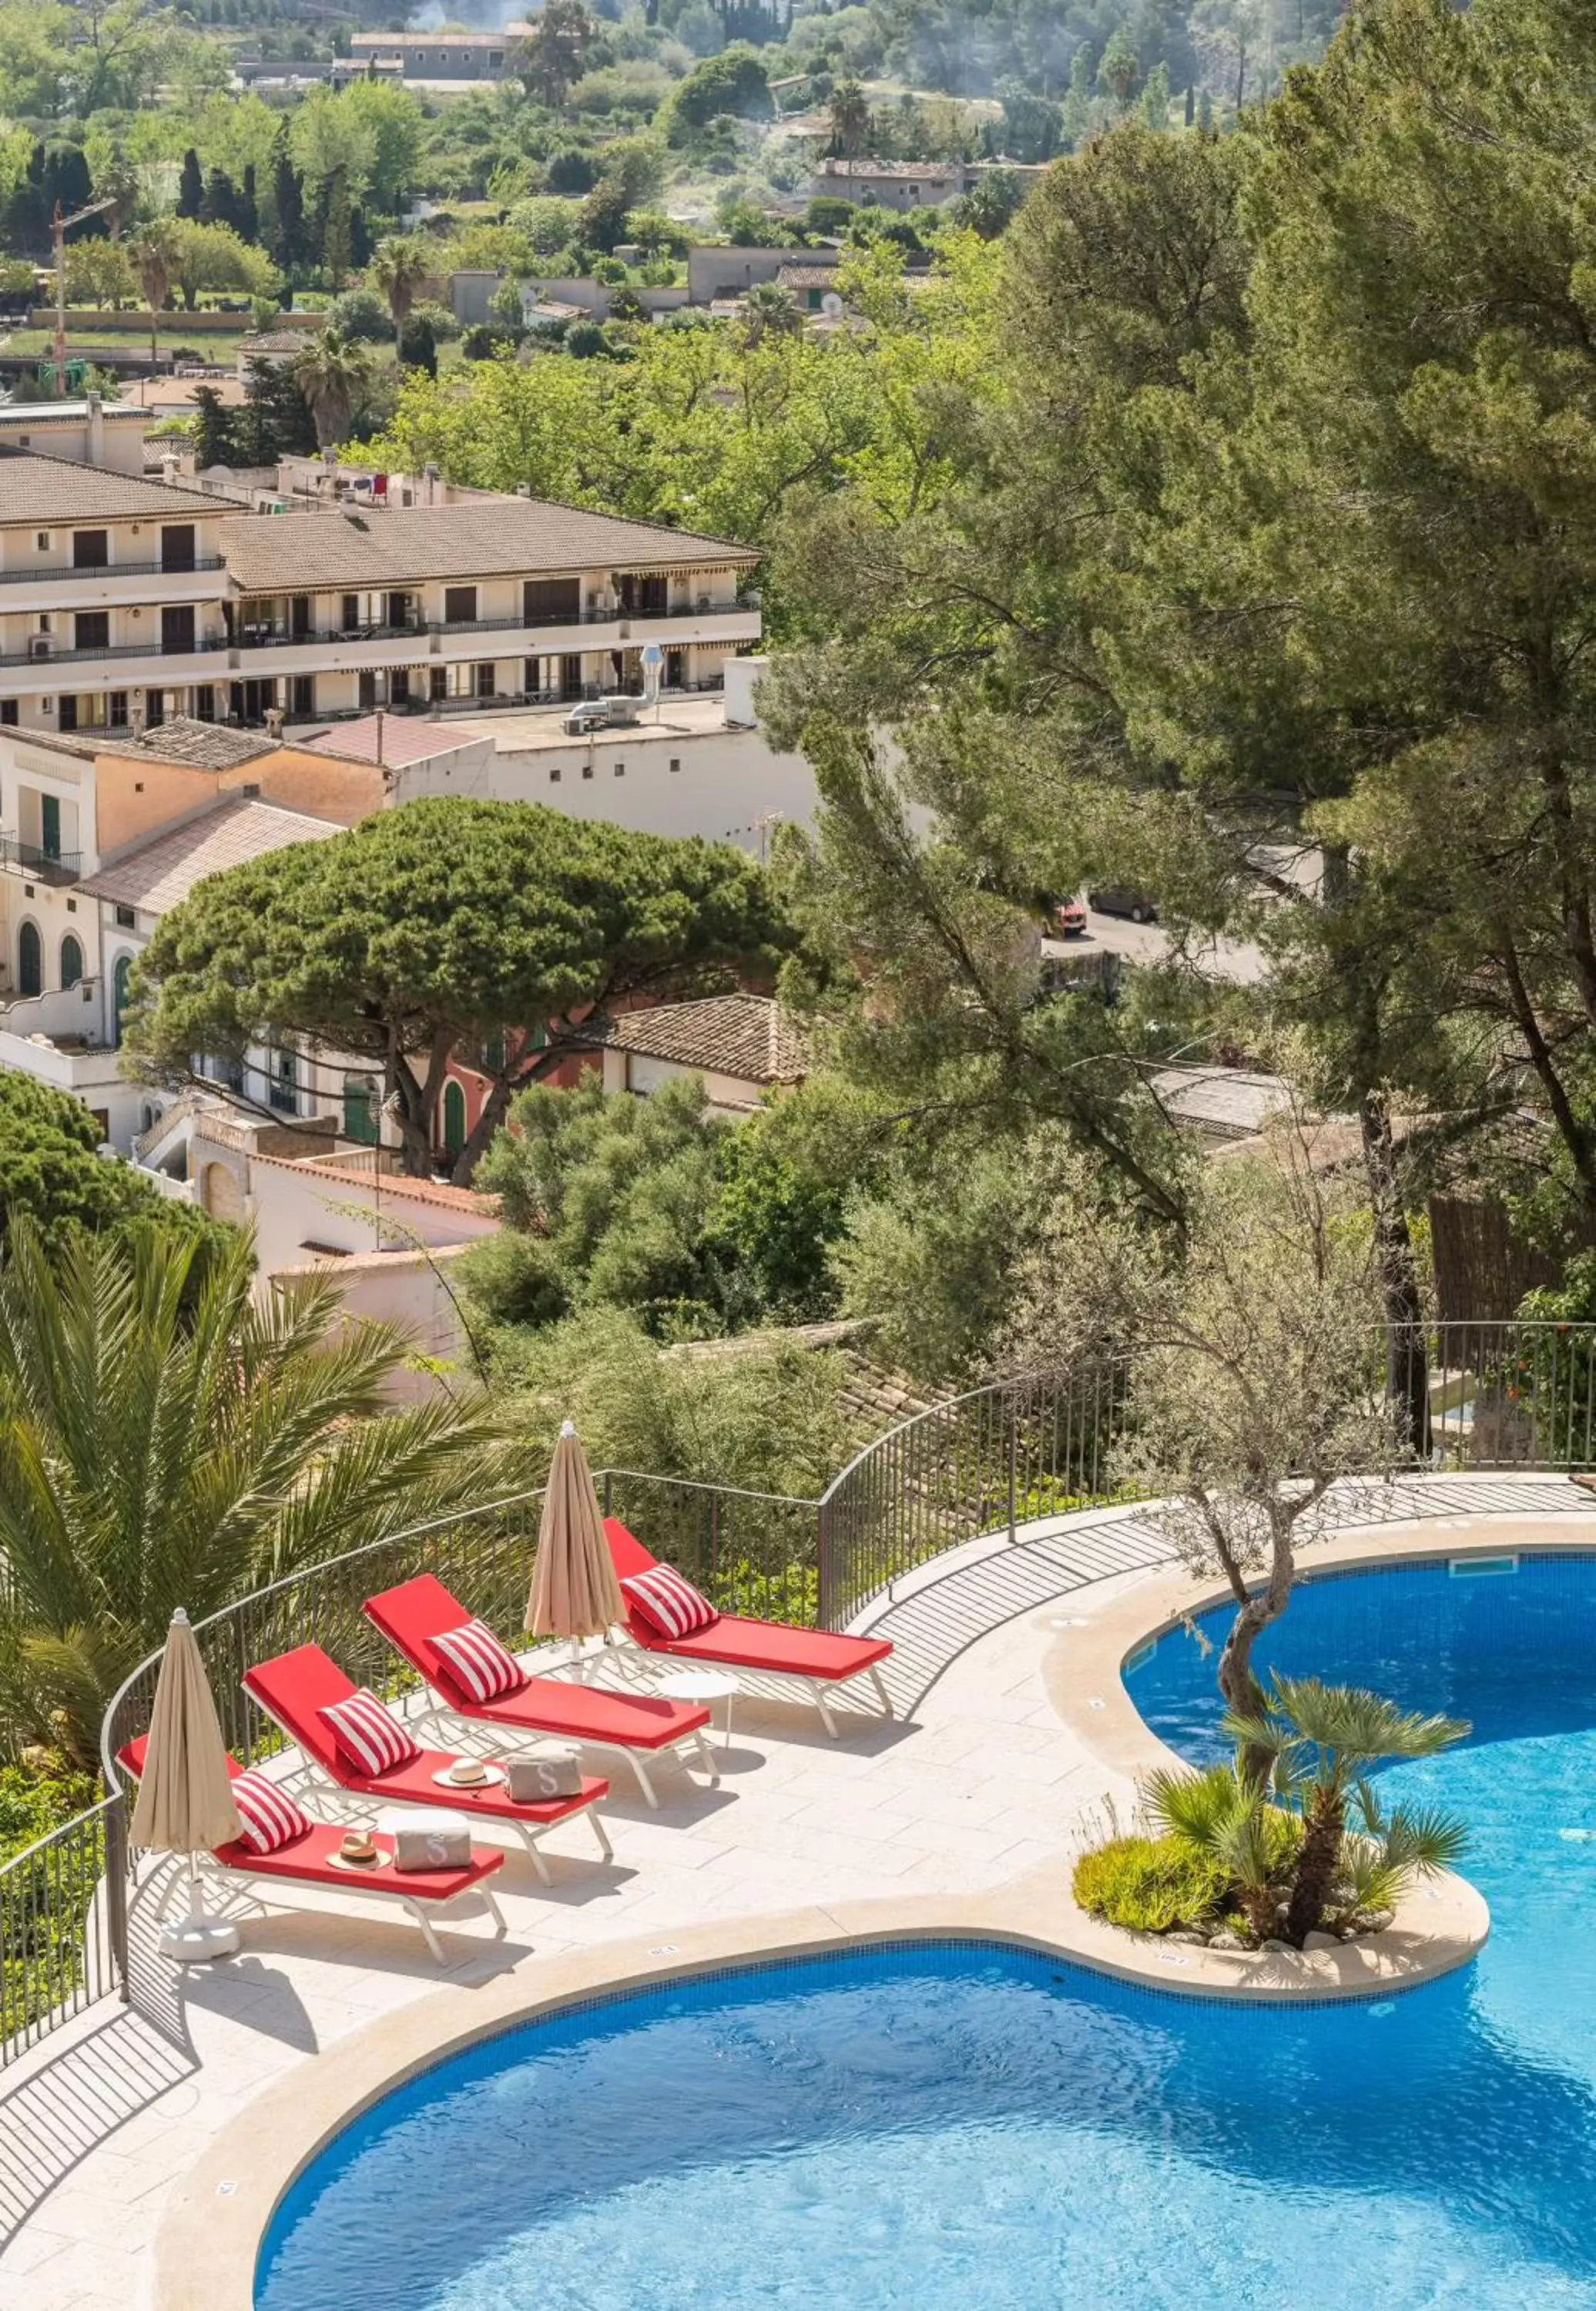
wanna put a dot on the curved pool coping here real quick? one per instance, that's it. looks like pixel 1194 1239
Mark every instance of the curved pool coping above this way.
pixel 211 2235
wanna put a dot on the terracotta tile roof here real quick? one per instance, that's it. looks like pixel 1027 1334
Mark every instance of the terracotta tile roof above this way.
pixel 806 277
pixel 196 746
pixel 161 873
pixel 406 739
pixel 500 537
pixel 394 1185
pixel 41 493
pixel 744 1035
pixel 268 343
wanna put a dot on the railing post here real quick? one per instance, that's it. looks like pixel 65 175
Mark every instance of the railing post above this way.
pixel 1014 1445
pixel 116 1888
pixel 608 1480
pixel 824 1578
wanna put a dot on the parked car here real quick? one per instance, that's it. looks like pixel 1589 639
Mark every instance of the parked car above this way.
pixel 1118 901
pixel 1068 917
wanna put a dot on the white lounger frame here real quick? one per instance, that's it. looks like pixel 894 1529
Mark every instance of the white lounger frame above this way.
pixel 239 1878
pixel 818 1687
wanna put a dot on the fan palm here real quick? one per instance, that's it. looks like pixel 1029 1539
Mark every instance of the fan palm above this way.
pixel 331 372
pixel 1324 1740
pixel 1231 1821
pixel 849 119
pixel 153 255
pixel 167 1438
pixel 401 264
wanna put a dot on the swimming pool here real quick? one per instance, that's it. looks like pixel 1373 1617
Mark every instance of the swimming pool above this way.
pixel 965 2127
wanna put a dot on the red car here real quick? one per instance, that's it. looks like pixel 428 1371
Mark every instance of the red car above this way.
pixel 1069 918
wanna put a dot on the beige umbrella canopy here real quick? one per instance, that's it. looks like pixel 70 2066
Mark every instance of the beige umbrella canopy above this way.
pixel 185 1795
pixel 574 1590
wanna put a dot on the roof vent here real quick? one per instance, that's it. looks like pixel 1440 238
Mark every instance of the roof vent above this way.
pixel 252 792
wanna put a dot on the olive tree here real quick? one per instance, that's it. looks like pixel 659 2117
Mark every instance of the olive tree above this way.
pixel 1255 1372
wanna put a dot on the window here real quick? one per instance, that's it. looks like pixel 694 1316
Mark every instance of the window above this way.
pixel 41 541
pixel 90 549
pixel 93 630
pixel 620 770
pixel 283 1094
pixel 119 977
pixel 492 1055
pixel 71 961
pixel 484 681
pixel 459 605
pixel 454 1118
pixel 302 694
pixel 177 546
pixel 351 613
pixel 8 713
pixel 125 919
pixel 30 960
pixel 587 770
pixel 675 762
pixel 550 601
pixel 437 682
pixel 204 703
pixel 50 826
pixel 554 776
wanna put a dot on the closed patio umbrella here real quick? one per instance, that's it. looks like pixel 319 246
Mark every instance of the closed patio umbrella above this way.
pixel 185 1795
pixel 574 1590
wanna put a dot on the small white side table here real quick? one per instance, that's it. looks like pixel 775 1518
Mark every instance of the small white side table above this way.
pixel 706 1685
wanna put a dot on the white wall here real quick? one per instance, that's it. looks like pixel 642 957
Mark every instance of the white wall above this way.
pixel 292 1204
pixel 634 1071
pixel 412 1290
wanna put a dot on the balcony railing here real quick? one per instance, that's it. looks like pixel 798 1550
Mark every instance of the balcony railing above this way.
pixel 42 661
pixel 20 858
pixel 201 563
pixel 277 637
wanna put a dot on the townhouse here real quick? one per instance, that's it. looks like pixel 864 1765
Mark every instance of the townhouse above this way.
pixel 126 601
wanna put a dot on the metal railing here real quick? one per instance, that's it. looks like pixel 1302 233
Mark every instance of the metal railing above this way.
pixel 45 866
pixel 1514 1395
pixel 104 570
pixel 63 1926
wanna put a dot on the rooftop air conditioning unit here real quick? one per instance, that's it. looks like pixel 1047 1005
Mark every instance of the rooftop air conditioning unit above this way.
pixel 39 646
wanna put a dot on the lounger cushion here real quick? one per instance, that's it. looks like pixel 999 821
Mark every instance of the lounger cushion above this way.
pixel 483 1665
pixel 269 1814
pixel 368 1739
pixel 671 1605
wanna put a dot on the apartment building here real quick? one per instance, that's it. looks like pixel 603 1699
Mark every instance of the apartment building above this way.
pixel 124 602
pixel 96 845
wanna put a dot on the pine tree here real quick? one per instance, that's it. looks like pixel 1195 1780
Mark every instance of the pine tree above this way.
pixel 191 186
pixel 248 217
pixel 276 420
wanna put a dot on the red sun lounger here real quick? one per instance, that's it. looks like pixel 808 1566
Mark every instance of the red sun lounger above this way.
pixel 306 1860
pixel 818 1658
pixel 293 1686
pixel 636 1725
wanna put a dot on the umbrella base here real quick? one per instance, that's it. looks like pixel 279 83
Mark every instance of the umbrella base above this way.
pixel 195 1940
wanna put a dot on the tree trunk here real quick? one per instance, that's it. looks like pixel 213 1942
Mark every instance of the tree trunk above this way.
pixel 1407 1339
pixel 1315 1863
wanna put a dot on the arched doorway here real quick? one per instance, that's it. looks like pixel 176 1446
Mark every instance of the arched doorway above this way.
pixel 454 1118
pixel 30 960
pixel 221 1195
pixel 71 961
pixel 119 977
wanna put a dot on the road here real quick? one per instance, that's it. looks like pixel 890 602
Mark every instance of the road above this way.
pixel 1147 943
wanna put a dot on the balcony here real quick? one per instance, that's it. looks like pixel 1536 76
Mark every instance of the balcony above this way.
pixel 104 570
pixel 20 858
pixel 42 661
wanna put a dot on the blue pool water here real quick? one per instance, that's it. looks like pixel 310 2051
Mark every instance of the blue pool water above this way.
pixel 962 2127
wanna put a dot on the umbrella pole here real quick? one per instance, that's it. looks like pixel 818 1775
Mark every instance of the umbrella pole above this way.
pixel 198 1937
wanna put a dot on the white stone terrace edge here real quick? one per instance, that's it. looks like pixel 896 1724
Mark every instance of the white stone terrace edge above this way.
pixel 218 2215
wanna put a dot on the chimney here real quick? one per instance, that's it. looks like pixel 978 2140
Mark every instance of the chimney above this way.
pixel 94 443
pixel 379 737
pixel 274 722
pixel 136 716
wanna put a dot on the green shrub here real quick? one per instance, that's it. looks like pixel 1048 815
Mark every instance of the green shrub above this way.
pixel 1148 1884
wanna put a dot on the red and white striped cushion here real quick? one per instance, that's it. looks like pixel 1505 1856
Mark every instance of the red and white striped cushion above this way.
pixel 270 1817
pixel 481 1663
pixel 670 1605
pixel 369 1740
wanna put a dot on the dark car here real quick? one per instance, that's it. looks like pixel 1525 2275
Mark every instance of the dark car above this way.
pixel 1118 901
